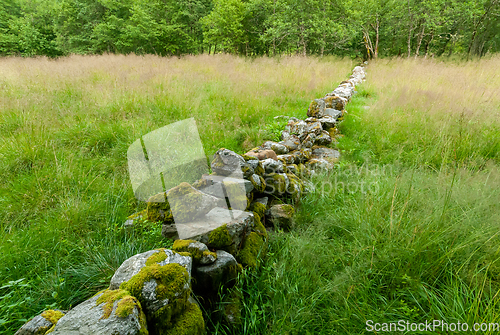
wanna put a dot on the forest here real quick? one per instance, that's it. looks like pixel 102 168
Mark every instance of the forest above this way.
pixel 349 28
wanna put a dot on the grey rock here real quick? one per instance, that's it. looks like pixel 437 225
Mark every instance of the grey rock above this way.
pixel 319 164
pixel 89 318
pixel 272 166
pixel 134 264
pixel 328 122
pixel 278 148
pixel 334 113
pixel 296 128
pixel 288 159
pixel 227 163
pixel 292 142
pixel 263 200
pixel 325 152
pixel 258 183
pixel 36 326
pixel 280 216
pixel 323 138
pixel 220 273
pixel 218 181
pixel 308 142
pixel 313 128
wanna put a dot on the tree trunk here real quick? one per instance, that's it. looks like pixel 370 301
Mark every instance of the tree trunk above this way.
pixel 428 43
pixel 410 29
pixel 419 40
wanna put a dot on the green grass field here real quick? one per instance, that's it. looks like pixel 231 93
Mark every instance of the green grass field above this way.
pixel 405 228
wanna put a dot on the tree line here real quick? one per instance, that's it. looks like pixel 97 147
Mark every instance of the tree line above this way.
pixel 355 28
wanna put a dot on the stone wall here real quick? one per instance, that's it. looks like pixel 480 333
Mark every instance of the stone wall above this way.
pixel 151 293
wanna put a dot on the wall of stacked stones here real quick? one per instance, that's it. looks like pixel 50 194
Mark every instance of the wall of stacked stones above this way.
pixel 152 292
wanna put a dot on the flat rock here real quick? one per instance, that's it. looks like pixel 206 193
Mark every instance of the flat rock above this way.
pixel 229 163
pixel 325 152
pixel 89 318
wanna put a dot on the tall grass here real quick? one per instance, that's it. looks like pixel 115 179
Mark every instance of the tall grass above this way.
pixel 65 127
pixel 406 227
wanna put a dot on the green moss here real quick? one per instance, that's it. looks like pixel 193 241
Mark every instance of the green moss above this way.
pixel 157 257
pixel 259 227
pixel 248 157
pixel 108 298
pixel 171 280
pixel 158 208
pixel 236 194
pixel 52 315
pixel 313 110
pixel 190 322
pixel 252 246
pixel 259 187
pixel 259 170
pixel 288 210
pixel 220 238
pixel 185 253
pixel 139 215
pixel 183 246
pixel 232 309
pixel 276 182
pixel 187 201
pixel 207 253
pixel 258 208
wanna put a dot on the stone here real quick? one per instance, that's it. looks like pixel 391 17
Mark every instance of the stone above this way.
pixel 335 102
pixel 278 148
pixel 308 142
pixel 217 183
pixel 134 264
pixel 182 203
pixel 134 218
pixel 262 154
pixel 292 142
pixel 313 128
pixel 169 231
pixel 281 216
pixel 223 228
pixel 328 122
pixel 344 91
pixel 221 273
pixel 316 108
pixel 323 138
pixel 334 113
pixel 325 152
pixel 287 159
pixel 199 251
pixel 276 183
pixel 272 166
pixel 296 128
pixel 42 323
pixel 258 183
pixel 120 314
pixel 293 168
pixel 318 164
pixel 227 163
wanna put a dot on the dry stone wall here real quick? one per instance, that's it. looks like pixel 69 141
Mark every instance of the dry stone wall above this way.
pixel 152 292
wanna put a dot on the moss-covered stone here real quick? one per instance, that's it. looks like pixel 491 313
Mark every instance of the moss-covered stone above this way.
pixel 196 253
pixel 258 183
pixel 187 202
pixel 314 109
pixel 232 310
pixel 236 195
pixel 52 315
pixel 260 170
pixel 172 280
pixel 158 209
pixel 108 298
pixel 259 227
pixel 190 322
pixel 258 208
pixel 220 238
pixel 275 183
pixel 254 244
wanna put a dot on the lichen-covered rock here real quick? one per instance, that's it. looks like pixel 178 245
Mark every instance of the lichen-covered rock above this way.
pixel 320 152
pixel 314 128
pixel 296 187
pixel 276 183
pixel 308 142
pixel 227 163
pixel 281 216
pixel 108 312
pixel 211 277
pixel 225 228
pixel 272 166
pixel 253 246
pixel 334 113
pixel 42 323
pixel 293 168
pixel 323 138
pixel 319 164
pixel 335 102
pixel 328 122
pixel 259 206
pixel 287 159
pixel 261 154
pixel 316 108
pixel 344 91
pixel 278 148
pixel 258 183
pixel 134 264
pixel 182 203
pixel 291 143
pixel 199 251
pixel 296 128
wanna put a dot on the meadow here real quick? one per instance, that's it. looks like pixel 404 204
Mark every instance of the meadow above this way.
pixel 65 127
pixel 404 228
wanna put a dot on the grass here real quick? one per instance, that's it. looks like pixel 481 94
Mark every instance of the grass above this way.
pixel 406 227
pixel 65 127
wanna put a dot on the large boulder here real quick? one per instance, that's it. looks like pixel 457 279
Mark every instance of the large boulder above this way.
pixel 108 312
pixel 229 163
pixel 42 323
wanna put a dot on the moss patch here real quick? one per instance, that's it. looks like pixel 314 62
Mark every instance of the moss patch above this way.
pixel 259 227
pixel 258 208
pixel 236 194
pixel 108 298
pixel 52 315
pixel 157 257
pixel 190 322
pixel 253 244
pixel 220 238
pixel 185 200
